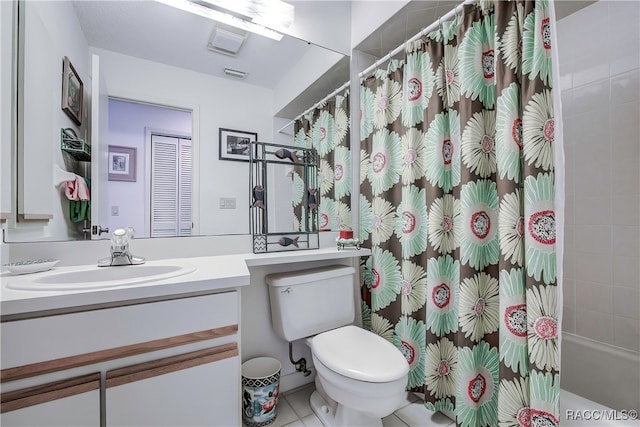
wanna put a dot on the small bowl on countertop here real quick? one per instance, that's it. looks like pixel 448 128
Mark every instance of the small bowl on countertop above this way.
pixel 31 266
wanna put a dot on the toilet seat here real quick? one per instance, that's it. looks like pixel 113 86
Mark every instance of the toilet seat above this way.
pixel 359 354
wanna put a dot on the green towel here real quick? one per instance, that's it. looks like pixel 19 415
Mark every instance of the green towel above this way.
pixel 79 210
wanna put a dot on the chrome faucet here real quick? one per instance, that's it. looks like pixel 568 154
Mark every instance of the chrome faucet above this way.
pixel 120 253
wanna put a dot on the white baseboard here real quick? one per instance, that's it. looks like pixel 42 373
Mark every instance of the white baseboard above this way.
pixel 296 380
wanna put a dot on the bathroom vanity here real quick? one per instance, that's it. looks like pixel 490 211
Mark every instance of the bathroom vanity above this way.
pixel 163 353
pixel 159 352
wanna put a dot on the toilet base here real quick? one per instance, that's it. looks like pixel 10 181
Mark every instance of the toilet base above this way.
pixel 340 416
pixel 325 413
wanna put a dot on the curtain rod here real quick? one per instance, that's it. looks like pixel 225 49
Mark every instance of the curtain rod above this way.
pixel 422 32
pixel 335 92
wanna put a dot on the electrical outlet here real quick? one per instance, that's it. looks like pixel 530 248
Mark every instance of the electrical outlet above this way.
pixel 227 202
pixel 115 210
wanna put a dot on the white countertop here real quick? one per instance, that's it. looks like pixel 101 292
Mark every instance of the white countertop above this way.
pixel 211 273
pixel 254 260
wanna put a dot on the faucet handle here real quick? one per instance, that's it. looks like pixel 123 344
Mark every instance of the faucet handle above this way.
pixel 98 230
pixel 120 237
pixel 130 232
pixel 120 254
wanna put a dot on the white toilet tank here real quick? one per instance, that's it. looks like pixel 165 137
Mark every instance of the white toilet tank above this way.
pixel 308 302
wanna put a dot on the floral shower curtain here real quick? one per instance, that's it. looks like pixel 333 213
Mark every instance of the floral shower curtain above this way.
pixel 457 205
pixel 326 128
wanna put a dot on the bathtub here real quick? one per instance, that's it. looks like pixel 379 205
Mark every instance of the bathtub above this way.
pixel 578 411
pixel 600 373
pixel 575 411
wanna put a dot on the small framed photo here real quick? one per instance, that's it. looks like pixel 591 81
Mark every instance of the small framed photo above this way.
pixel 122 163
pixel 235 144
pixel 72 92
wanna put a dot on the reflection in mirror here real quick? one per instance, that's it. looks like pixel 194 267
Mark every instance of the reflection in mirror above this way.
pixel 162 139
pixel 327 129
pixel 154 56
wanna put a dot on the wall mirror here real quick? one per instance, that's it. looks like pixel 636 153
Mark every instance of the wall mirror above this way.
pixel 137 57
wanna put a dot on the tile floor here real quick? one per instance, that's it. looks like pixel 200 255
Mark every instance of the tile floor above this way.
pixel 294 411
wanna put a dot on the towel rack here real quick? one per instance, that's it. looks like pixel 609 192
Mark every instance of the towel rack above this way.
pixel 78 148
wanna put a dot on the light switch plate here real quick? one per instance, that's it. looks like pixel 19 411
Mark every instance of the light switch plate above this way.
pixel 227 202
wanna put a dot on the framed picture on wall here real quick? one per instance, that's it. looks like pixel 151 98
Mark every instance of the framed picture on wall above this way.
pixel 235 144
pixel 72 92
pixel 122 163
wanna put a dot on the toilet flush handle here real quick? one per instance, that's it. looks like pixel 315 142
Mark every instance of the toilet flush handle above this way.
pixel 286 291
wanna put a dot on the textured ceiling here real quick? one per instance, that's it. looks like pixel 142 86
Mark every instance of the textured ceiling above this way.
pixel 160 33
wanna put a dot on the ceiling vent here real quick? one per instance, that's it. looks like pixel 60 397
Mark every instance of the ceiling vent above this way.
pixel 226 42
pixel 235 73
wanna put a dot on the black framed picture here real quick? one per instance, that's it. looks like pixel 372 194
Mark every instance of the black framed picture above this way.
pixel 72 92
pixel 235 144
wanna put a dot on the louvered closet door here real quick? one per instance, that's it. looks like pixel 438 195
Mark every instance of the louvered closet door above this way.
pixel 185 187
pixel 171 186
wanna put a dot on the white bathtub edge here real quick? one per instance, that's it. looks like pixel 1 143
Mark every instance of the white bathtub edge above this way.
pixel 599 372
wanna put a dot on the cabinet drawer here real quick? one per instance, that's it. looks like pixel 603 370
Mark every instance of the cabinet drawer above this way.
pixel 74 401
pixel 76 339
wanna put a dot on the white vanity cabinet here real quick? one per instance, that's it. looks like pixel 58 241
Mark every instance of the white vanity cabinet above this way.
pixel 169 362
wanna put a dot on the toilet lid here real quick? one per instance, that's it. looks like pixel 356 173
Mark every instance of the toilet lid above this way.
pixel 359 354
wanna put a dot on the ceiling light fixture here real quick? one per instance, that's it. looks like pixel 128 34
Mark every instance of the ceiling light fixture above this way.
pixel 235 73
pixel 275 14
pixel 222 17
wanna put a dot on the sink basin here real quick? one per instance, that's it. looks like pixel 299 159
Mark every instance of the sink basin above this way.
pixel 101 277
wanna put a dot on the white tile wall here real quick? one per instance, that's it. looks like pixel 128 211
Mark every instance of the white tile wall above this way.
pixel 599 49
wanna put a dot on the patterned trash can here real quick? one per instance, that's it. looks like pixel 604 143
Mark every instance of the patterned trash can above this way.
pixel 260 387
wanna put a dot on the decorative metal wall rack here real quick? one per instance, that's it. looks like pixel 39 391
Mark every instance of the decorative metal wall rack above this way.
pixel 277 223
pixel 76 147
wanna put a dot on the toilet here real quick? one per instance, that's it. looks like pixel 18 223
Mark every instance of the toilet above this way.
pixel 360 376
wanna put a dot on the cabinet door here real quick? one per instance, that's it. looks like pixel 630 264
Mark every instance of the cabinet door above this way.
pixel 72 402
pixel 201 388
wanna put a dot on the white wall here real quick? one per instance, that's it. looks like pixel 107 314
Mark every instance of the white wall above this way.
pixel 368 16
pixel 311 66
pixel 322 23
